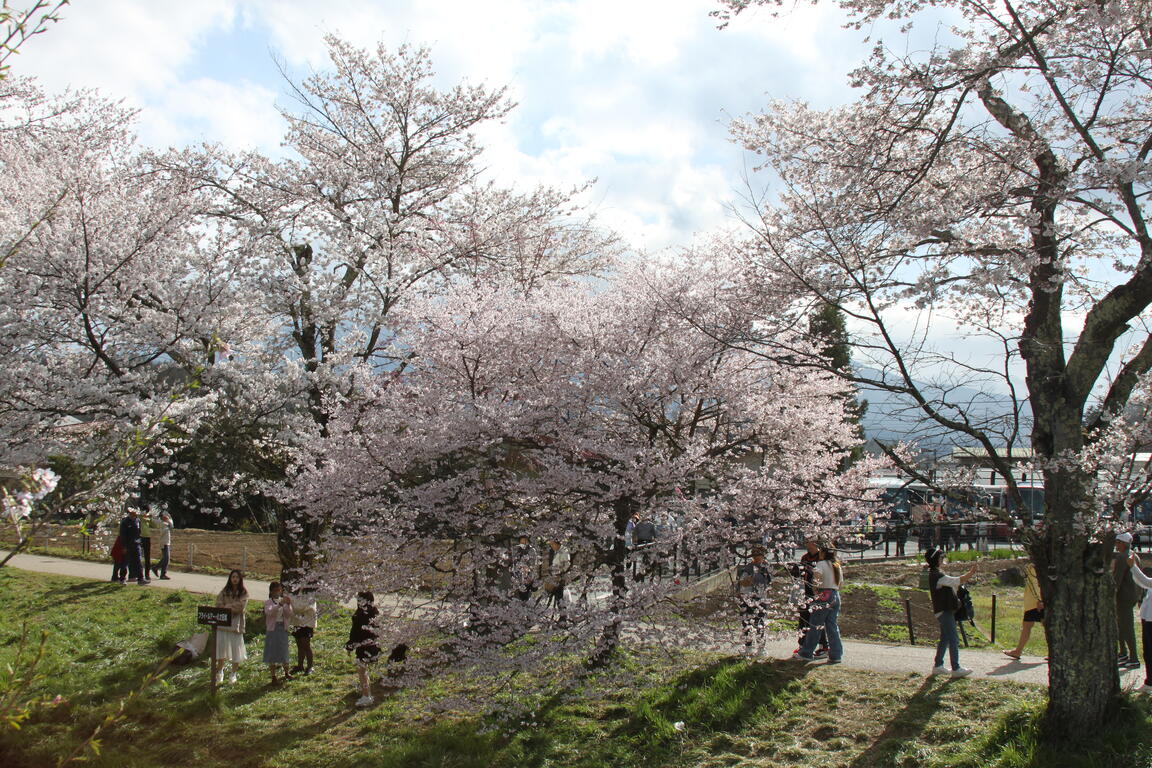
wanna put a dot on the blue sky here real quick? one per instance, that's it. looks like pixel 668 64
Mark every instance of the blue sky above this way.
pixel 636 94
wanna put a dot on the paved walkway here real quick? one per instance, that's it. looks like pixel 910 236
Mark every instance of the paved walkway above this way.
pixel 894 659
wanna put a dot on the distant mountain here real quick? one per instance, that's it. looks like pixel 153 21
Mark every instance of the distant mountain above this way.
pixel 892 417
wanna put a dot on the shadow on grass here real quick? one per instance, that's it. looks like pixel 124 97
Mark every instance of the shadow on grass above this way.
pixel 82 591
pixel 905 726
pixel 724 696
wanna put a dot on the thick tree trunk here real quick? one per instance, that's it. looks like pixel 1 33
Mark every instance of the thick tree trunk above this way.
pixel 609 638
pixel 1080 613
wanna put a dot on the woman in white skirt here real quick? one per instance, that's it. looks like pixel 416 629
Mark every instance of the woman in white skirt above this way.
pixel 277 617
pixel 230 639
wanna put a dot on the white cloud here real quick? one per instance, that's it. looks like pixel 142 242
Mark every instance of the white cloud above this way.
pixel 125 48
pixel 239 115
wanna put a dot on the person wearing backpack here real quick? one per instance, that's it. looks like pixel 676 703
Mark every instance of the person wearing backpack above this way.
pixel 945 603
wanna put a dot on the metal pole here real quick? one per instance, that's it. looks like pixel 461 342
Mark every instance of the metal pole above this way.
pixel 189 554
pixel 908 614
pixel 244 566
pixel 993 617
pixel 212 669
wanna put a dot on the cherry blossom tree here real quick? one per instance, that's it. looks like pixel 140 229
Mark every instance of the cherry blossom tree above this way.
pixel 982 207
pixel 557 414
pixel 112 298
pixel 383 197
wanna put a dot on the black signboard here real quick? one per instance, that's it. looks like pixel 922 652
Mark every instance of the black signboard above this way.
pixel 213 616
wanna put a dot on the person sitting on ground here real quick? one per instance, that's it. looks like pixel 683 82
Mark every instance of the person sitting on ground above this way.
pixel 1033 611
pixel 944 604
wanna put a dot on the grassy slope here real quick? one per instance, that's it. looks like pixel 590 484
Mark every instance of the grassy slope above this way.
pixel 105 639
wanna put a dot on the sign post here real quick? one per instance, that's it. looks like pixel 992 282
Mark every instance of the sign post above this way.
pixel 215 618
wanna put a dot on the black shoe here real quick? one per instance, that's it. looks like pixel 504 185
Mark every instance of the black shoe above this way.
pixel 297 670
pixel 166 577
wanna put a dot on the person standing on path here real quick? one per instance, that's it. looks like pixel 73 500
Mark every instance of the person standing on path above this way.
pixel 119 564
pixel 130 539
pixel 146 543
pixel 825 611
pixel 559 563
pixel 806 572
pixel 1142 580
pixel 230 639
pixel 277 617
pixel 1033 611
pixel 752 580
pixel 1126 596
pixel 162 527
pixel 944 604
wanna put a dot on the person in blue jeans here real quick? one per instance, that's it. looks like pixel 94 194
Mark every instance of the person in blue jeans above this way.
pixel 944 604
pixel 825 608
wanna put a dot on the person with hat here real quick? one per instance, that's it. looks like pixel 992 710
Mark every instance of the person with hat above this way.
pixel 1126 599
pixel 752 580
pixel 945 601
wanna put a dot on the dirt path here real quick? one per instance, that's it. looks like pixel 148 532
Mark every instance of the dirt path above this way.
pixel 880 657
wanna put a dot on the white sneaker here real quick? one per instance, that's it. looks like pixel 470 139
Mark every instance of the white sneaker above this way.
pixel 219 678
pixel 365 701
pixel 232 678
pixel 961 672
pixel 941 670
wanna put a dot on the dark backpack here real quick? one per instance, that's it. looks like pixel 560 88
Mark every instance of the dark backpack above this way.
pixel 966 611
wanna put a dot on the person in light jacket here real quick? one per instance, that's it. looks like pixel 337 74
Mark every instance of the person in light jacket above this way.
pixel 277 616
pixel 303 627
pixel 230 639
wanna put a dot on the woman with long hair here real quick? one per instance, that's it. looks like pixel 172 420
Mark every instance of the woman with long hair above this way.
pixel 945 601
pixel 825 608
pixel 230 639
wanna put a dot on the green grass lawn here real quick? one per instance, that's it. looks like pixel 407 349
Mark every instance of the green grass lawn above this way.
pixel 651 708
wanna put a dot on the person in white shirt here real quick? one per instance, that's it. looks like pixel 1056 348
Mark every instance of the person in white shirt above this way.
pixel 162 532
pixel 303 628
pixel 825 608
